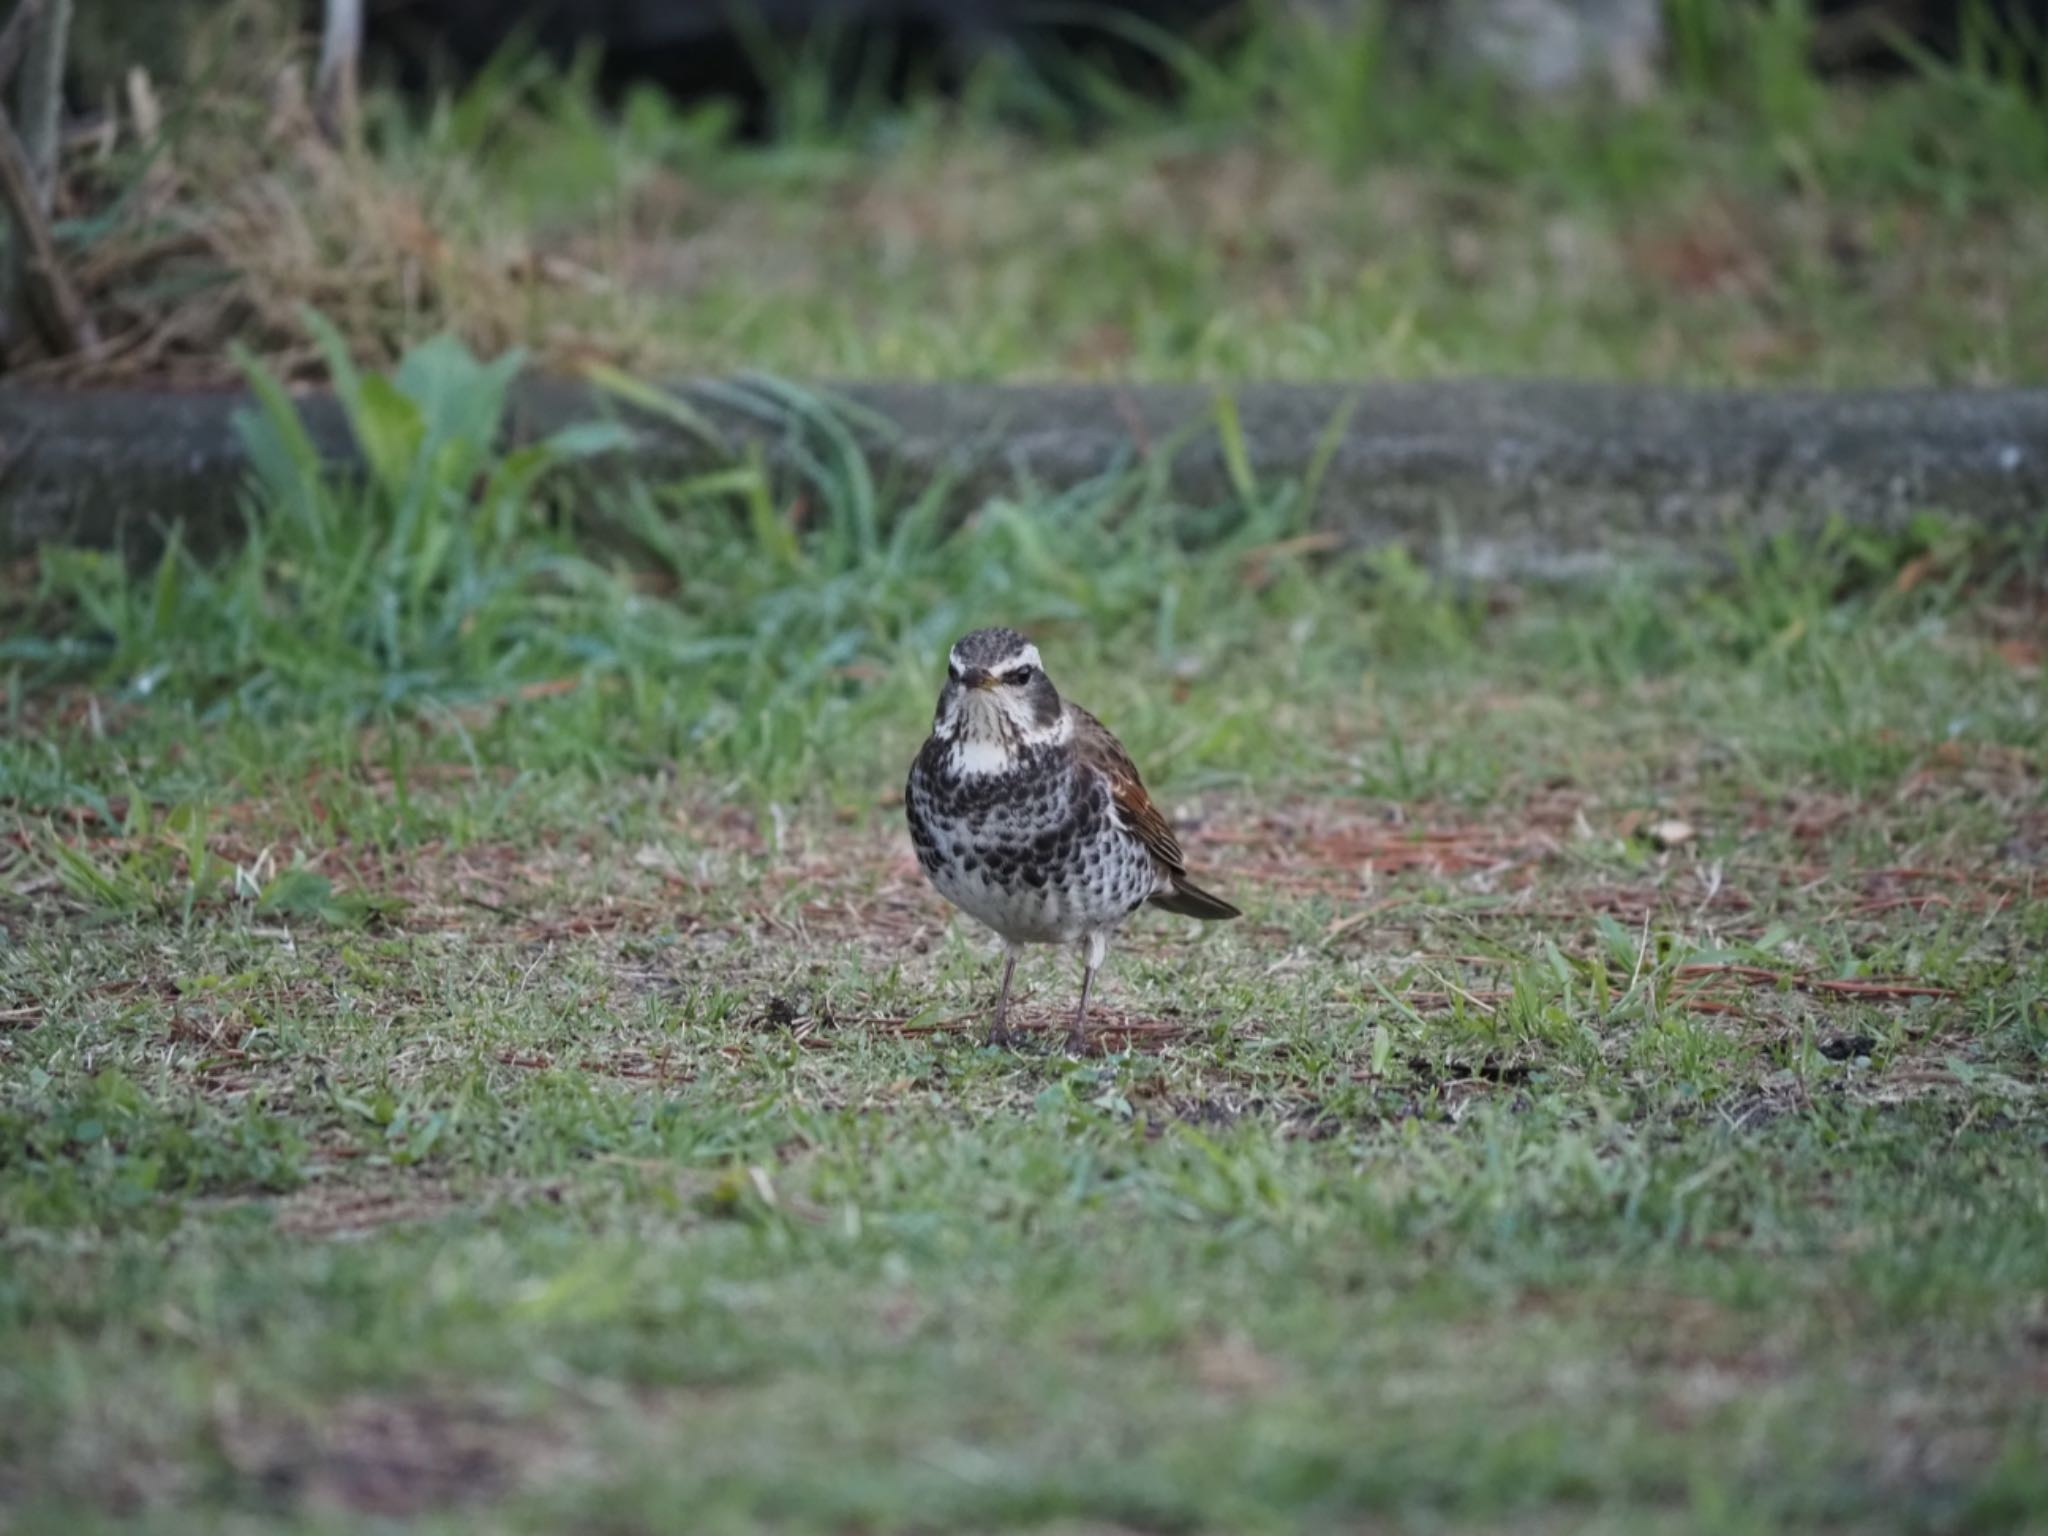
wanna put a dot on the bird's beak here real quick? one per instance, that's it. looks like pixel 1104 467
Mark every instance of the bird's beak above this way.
pixel 978 678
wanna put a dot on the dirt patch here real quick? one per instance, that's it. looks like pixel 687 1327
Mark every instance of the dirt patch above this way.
pixel 326 1210
pixel 1232 1366
pixel 1206 1113
pixel 1432 1074
pixel 627 1063
pixel 391 1455
pixel 797 1015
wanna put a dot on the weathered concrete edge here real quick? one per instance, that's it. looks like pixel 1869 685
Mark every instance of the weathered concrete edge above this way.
pixel 1488 477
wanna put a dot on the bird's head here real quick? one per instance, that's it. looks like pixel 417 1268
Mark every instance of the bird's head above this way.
pixel 997 702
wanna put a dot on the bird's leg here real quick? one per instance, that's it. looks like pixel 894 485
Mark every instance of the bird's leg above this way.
pixel 1098 946
pixel 1077 1037
pixel 999 1032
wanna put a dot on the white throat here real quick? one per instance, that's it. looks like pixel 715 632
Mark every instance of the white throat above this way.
pixel 985 753
pixel 980 757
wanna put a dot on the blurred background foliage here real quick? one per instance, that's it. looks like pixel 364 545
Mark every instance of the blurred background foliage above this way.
pixel 1702 190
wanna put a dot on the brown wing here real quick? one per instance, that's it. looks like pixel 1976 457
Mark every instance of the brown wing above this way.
pixel 1096 747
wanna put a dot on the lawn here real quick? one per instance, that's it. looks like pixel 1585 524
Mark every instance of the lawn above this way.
pixel 476 1050
pixel 475 1045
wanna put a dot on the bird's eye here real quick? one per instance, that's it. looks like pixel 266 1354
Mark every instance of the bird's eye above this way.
pixel 1017 677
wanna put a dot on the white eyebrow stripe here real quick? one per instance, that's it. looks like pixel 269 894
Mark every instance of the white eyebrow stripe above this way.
pixel 1028 657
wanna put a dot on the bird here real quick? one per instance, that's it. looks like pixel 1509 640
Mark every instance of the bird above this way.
pixel 1030 817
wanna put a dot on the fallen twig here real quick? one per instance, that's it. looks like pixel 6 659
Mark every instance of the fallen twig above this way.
pixel 1765 976
pixel 1344 925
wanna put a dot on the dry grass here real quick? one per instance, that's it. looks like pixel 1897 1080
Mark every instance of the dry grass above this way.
pixel 227 213
pixel 1685 240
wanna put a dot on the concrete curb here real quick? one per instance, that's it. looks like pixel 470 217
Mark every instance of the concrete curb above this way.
pixel 1486 477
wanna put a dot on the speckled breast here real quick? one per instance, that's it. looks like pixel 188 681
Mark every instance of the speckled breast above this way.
pixel 1035 853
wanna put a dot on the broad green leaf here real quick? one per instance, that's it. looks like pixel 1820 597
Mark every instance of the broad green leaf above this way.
pixel 390 431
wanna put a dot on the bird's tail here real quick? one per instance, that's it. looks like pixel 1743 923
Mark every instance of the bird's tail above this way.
pixel 1190 900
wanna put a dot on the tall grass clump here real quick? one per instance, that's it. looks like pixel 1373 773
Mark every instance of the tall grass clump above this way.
pixel 447 566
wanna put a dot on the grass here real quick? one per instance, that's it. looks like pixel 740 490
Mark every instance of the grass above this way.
pixel 475 1048
pixel 1307 208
